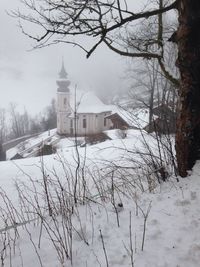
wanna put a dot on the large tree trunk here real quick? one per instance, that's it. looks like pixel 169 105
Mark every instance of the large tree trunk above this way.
pixel 188 123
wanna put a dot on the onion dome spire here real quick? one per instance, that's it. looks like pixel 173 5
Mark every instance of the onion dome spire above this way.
pixel 62 82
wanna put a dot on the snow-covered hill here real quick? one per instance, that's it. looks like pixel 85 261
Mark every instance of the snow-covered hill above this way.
pixel 117 221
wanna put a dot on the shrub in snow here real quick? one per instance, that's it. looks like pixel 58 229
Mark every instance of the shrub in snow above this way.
pixel 47 150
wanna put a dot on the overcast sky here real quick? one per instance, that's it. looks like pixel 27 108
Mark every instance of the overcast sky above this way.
pixel 29 77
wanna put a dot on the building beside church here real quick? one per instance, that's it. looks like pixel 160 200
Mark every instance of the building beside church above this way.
pixel 79 112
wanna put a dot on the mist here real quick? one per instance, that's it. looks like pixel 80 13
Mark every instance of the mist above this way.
pixel 28 76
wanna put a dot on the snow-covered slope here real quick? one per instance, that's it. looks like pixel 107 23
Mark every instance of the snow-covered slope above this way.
pixel 108 229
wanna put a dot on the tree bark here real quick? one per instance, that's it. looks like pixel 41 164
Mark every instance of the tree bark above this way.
pixel 188 122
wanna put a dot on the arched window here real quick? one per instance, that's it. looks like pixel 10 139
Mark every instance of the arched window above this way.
pixel 84 123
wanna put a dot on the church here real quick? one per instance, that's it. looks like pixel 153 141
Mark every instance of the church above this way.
pixel 79 113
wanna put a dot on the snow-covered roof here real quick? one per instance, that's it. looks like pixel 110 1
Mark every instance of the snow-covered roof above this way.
pixel 28 145
pixel 87 102
pixel 138 117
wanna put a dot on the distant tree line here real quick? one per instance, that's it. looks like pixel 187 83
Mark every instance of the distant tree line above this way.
pixel 15 124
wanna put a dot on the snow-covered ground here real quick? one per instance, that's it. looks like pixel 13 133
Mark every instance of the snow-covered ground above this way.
pixel 117 221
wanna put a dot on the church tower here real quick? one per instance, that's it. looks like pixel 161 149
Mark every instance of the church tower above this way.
pixel 63 102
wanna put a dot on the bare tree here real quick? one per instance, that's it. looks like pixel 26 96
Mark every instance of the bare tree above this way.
pixel 150 88
pixel 35 125
pixel 3 127
pixel 20 123
pixel 145 88
pixel 15 121
pixel 103 20
pixel 49 119
pixel 2 132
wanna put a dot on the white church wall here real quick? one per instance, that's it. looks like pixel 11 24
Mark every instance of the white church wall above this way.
pixel 94 123
pixel 63 111
pixel 62 123
pixel 63 102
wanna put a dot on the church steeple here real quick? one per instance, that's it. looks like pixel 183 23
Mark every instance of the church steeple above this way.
pixel 63 102
pixel 62 82
pixel 63 73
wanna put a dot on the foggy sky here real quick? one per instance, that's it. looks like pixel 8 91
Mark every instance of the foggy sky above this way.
pixel 29 77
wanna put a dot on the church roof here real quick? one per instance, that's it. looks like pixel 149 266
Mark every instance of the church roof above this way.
pixel 87 102
pixel 134 117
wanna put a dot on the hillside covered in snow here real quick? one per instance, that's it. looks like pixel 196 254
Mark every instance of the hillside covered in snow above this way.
pixel 115 203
